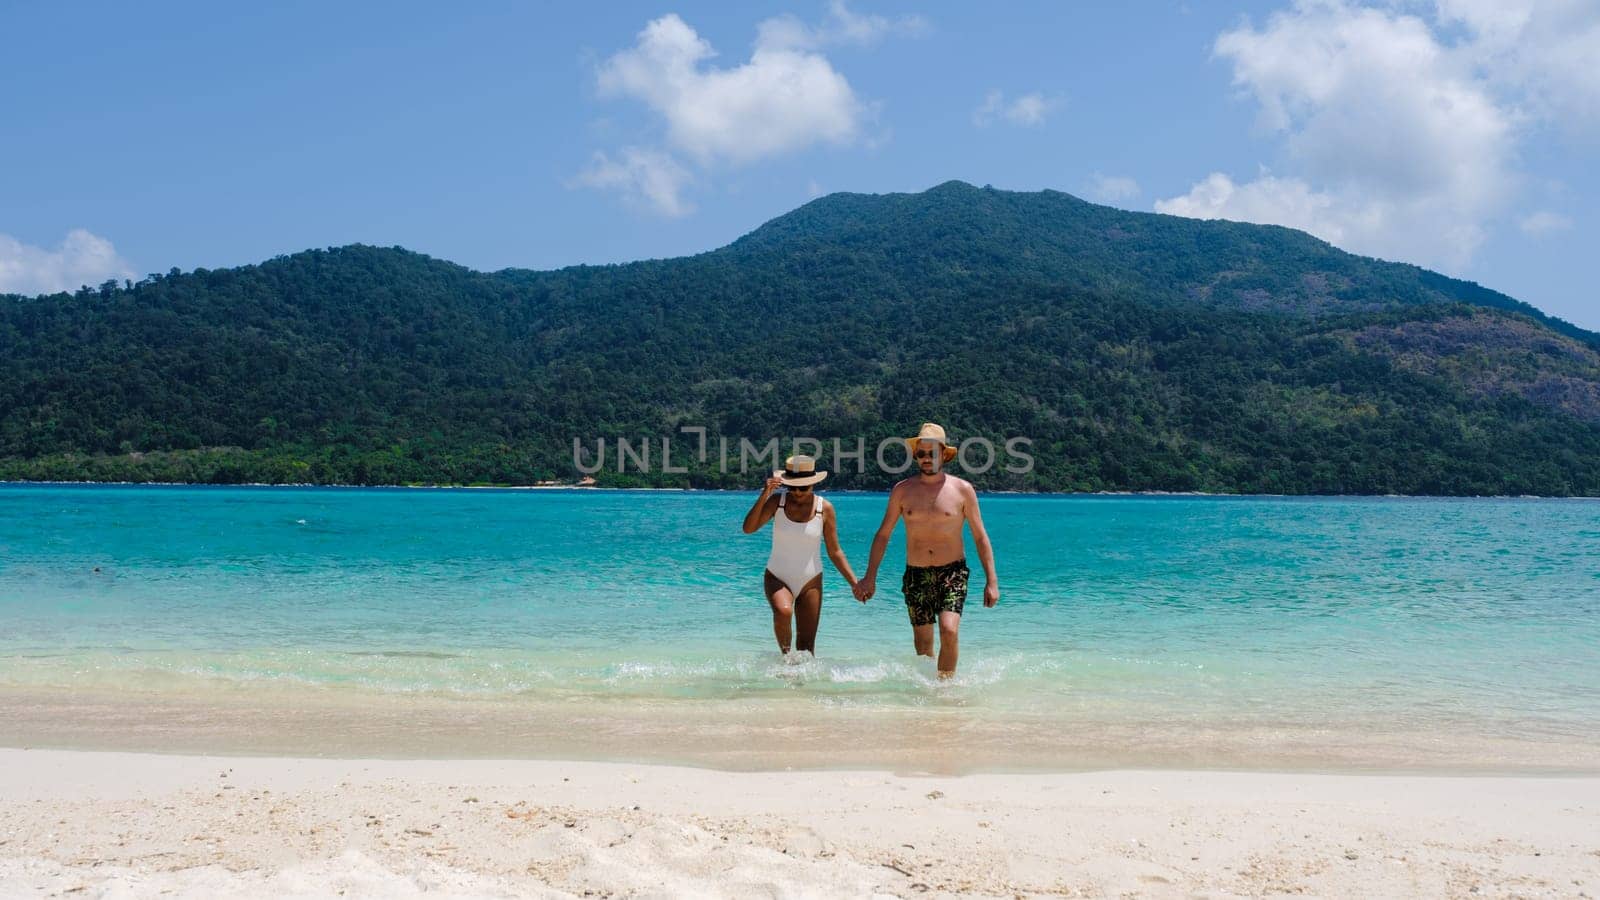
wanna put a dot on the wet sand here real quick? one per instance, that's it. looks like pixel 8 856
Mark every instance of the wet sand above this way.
pixel 749 736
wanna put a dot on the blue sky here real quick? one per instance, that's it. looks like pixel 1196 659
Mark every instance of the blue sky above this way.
pixel 1457 134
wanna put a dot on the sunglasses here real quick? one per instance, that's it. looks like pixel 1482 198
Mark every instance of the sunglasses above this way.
pixel 922 454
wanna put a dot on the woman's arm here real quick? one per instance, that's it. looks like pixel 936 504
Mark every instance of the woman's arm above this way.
pixel 764 507
pixel 830 535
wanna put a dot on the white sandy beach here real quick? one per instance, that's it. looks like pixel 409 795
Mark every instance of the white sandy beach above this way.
pixel 103 824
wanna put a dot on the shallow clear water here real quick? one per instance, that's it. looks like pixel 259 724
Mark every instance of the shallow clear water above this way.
pixel 1470 618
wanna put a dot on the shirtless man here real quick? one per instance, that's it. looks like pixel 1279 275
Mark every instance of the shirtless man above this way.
pixel 935 506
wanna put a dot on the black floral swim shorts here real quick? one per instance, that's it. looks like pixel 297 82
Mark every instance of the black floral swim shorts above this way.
pixel 931 590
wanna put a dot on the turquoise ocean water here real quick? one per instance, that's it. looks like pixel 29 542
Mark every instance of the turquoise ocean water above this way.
pixel 1221 630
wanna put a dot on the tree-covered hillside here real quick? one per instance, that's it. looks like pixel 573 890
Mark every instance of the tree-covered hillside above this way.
pixel 1136 351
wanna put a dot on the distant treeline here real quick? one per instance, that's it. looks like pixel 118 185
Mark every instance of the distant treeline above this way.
pixel 1134 351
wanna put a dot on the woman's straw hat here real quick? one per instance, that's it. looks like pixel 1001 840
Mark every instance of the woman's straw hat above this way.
pixel 931 432
pixel 798 471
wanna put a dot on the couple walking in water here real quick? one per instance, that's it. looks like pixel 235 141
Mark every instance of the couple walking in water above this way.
pixel 936 507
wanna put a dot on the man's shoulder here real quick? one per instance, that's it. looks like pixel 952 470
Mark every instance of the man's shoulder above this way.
pixel 962 485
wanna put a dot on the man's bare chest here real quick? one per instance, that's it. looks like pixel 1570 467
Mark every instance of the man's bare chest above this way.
pixel 932 509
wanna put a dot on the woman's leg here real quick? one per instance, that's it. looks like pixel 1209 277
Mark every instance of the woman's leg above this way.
pixel 807 612
pixel 782 603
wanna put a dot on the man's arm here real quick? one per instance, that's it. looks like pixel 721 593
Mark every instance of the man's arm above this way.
pixel 868 585
pixel 980 538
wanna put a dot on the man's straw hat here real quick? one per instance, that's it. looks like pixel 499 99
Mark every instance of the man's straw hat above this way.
pixel 931 432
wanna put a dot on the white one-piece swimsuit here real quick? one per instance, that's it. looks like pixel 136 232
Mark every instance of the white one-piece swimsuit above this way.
pixel 796 547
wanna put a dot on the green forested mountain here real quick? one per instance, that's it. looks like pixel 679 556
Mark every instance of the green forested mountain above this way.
pixel 1136 351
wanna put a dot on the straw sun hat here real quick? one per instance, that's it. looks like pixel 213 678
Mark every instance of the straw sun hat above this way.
pixel 931 432
pixel 799 471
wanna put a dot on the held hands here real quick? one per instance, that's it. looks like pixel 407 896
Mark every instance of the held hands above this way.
pixel 865 588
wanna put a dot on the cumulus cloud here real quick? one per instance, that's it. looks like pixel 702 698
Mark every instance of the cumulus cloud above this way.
pixel 1028 109
pixel 1400 146
pixel 1548 49
pixel 81 258
pixel 1268 199
pixel 1544 222
pixel 782 99
pixel 1112 188
pixel 785 98
pixel 648 177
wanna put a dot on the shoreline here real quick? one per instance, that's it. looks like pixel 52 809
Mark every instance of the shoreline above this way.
pixel 713 736
pixel 574 488
pixel 203 826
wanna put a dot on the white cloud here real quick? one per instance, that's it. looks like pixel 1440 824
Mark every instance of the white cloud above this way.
pixel 649 177
pixel 1549 50
pixel 842 26
pixel 1401 120
pixel 1028 109
pixel 1112 188
pixel 81 259
pixel 785 98
pixel 1400 147
pixel 1544 222
pixel 1278 201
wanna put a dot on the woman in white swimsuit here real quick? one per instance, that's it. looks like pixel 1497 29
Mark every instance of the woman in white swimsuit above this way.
pixel 800 522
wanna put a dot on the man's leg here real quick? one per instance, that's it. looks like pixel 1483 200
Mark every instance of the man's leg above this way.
pixel 782 603
pixel 949 642
pixel 807 612
pixel 922 617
